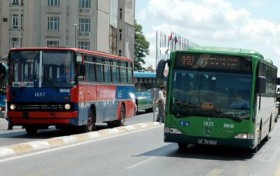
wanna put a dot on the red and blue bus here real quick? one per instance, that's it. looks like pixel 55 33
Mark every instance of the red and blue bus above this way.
pixel 68 87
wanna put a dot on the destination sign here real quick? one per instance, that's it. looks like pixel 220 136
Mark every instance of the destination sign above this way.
pixel 220 62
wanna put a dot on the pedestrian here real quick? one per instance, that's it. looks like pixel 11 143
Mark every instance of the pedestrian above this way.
pixel 161 105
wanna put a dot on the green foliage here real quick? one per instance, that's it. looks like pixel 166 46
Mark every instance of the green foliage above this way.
pixel 141 48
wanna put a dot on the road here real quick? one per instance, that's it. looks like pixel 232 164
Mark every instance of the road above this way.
pixel 144 153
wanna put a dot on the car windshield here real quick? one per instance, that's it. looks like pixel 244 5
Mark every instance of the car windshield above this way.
pixel 211 94
pixel 42 68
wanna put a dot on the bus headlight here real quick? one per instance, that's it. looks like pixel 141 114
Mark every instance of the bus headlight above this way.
pixel 13 106
pixel 244 136
pixel 67 106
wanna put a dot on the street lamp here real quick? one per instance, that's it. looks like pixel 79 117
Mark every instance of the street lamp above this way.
pixel 75 27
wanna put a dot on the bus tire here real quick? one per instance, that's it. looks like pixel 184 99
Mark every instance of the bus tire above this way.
pixel 90 126
pixel 31 130
pixel 182 147
pixel 121 120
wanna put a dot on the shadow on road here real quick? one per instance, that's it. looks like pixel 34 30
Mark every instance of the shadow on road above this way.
pixel 202 152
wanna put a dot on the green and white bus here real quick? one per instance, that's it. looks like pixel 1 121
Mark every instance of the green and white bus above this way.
pixel 219 96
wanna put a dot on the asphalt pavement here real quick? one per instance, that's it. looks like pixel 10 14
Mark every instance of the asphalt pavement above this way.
pixel 23 148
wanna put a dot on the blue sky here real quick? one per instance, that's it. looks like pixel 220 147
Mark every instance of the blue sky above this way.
pixel 248 24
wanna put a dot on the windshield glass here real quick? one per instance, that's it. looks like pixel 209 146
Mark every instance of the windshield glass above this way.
pixel 211 94
pixel 3 77
pixel 42 68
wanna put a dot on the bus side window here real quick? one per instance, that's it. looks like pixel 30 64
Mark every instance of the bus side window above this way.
pixel 107 71
pixel 123 72
pixel 130 73
pixel 115 72
pixel 99 70
pixel 90 69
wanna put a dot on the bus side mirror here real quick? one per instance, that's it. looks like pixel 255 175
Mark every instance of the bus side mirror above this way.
pixel 160 69
pixel 278 81
pixel 261 84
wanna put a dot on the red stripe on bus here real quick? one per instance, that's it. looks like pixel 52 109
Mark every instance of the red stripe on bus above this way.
pixel 41 121
pixel 41 115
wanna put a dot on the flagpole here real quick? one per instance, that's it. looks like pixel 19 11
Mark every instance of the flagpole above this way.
pixel 156 49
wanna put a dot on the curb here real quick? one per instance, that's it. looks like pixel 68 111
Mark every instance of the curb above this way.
pixel 23 148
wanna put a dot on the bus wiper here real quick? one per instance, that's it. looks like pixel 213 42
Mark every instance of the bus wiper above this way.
pixel 180 114
pixel 237 117
pixel 182 104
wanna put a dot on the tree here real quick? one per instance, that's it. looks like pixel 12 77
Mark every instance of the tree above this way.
pixel 141 48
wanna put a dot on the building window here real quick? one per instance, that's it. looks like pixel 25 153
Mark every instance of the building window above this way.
pixel 53 23
pixel 21 21
pixel 113 40
pixel 15 21
pixel 84 45
pixel 85 3
pixel 53 2
pixel 120 34
pixel 15 2
pixel 120 13
pixel 84 24
pixel 52 43
pixel 16 42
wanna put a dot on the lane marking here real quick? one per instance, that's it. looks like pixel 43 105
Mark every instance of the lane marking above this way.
pixel 140 163
pixel 277 173
pixel 215 172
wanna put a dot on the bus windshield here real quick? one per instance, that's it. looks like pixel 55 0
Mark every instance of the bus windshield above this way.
pixel 211 94
pixel 48 68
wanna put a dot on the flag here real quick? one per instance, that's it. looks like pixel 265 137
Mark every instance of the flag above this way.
pixel 170 37
pixel 175 39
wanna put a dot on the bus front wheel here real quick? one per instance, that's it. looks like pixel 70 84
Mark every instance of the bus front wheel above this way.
pixel 182 147
pixel 90 126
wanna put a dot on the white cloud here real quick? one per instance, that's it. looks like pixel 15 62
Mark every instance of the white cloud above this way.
pixel 211 23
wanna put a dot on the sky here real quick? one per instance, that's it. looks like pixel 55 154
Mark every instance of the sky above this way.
pixel 247 24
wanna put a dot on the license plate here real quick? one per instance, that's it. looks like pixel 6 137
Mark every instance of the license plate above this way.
pixel 207 142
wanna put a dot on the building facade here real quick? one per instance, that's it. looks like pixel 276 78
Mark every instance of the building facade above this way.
pixel 102 25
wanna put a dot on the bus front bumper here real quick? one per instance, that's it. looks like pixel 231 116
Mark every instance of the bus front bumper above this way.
pixel 42 118
pixel 232 142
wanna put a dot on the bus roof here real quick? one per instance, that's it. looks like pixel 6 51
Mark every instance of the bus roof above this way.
pixel 227 50
pixel 138 74
pixel 96 53
pixel 221 50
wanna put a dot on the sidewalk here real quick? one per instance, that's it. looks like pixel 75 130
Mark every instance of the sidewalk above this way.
pixel 27 147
